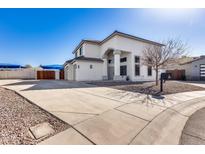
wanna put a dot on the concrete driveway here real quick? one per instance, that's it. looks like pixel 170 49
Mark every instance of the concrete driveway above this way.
pixel 101 115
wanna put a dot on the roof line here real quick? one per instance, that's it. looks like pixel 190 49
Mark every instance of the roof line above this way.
pixel 192 61
pixel 131 37
pixel 112 35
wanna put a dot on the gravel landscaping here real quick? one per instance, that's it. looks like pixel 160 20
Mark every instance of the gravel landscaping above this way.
pixel 17 115
pixel 170 87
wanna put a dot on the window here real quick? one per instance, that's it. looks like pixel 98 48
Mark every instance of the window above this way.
pixel 137 69
pixel 149 70
pixel 76 54
pixel 123 59
pixel 110 61
pixel 91 66
pixel 78 66
pixel 137 66
pixel 137 59
pixel 123 70
pixel 80 51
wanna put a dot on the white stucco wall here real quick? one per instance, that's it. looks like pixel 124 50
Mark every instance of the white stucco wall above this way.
pixel 18 74
pixel 91 50
pixel 68 72
pixel 136 48
pixel 108 44
pixel 84 73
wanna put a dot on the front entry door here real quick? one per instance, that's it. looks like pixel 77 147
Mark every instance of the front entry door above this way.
pixel 110 72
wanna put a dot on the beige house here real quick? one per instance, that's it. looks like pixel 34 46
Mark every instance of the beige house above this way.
pixel 195 69
pixel 117 57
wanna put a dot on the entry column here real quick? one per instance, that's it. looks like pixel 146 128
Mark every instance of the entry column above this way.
pixel 117 64
pixel 105 76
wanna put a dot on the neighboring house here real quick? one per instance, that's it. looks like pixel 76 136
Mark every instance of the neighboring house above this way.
pixel 175 64
pixel 117 57
pixel 195 69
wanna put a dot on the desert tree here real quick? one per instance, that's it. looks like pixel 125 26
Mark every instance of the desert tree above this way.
pixel 158 57
pixel 28 66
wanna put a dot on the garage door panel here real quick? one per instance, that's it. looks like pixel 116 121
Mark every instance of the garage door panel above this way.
pixel 202 72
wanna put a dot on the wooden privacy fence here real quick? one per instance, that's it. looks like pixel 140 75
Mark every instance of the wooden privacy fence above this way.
pixel 177 74
pixel 32 74
pixel 48 75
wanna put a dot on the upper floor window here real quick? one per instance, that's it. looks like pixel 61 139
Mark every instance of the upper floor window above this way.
pixel 149 70
pixel 80 51
pixel 123 59
pixel 137 59
pixel 76 54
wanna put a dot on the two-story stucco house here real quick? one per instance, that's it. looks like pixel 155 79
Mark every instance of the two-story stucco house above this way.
pixel 117 57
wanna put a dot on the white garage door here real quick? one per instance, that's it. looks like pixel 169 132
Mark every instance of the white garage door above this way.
pixel 202 71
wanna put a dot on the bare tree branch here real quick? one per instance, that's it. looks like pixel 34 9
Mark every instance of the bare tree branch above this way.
pixel 158 57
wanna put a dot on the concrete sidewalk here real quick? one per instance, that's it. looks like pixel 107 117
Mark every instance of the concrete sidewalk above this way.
pixel 100 115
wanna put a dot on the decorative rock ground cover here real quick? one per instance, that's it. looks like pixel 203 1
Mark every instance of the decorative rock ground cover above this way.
pixel 17 116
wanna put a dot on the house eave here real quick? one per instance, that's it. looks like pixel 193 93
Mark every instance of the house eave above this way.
pixel 82 58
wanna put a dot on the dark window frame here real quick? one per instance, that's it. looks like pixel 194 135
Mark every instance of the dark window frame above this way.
pixel 124 59
pixel 137 59
pixel 137 72
pixel 123 70
pixel 149 70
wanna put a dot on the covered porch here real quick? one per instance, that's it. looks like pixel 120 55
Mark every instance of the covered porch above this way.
pixel 116 64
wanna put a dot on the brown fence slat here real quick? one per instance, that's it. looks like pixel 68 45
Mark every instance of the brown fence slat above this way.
pixel 48 75
pixel 177 74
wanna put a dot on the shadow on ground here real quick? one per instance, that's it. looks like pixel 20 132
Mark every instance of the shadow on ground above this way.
pixel 48 84
pixel 149 88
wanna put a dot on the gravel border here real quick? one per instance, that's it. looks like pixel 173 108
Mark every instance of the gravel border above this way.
pixel 17 115
pixel 170 87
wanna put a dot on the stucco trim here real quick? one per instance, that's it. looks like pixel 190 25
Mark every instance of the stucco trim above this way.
pixel 82 58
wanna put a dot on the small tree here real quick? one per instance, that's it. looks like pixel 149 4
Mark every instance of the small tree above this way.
pixel 159 56
pixel 28 66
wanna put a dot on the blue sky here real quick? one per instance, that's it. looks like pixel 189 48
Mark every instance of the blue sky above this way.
pixel 48 36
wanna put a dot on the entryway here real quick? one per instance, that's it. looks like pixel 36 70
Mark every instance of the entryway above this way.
pixel 110 72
